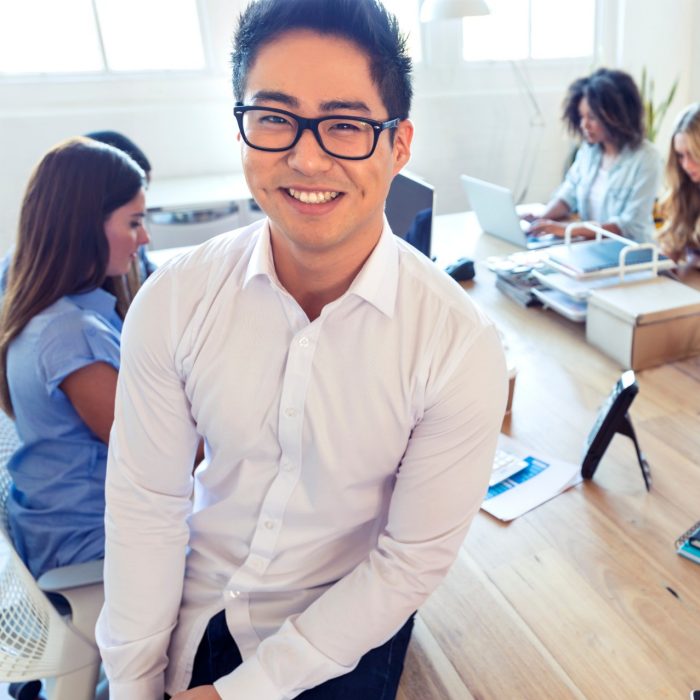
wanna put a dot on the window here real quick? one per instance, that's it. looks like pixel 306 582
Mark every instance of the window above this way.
pixel 531 29
pixel 406 12
pixel 94 36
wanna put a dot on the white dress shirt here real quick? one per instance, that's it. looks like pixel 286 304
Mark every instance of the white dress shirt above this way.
pixel 346 458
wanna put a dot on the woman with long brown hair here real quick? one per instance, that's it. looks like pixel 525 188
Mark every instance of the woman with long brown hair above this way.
pixel 679 237
pixel 81 224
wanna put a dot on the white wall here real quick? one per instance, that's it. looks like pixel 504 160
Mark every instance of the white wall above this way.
pixel 182 122
pixel 474 121
pixel 666 43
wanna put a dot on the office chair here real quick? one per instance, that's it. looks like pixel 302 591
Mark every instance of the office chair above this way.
pixel 36 641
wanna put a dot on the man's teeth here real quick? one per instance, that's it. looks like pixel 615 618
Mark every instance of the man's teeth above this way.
pixel 313 197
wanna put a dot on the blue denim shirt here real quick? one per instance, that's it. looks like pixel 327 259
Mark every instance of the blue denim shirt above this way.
pixel 633 184
pixel 56 505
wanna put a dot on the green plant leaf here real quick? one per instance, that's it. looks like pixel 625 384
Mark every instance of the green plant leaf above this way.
pixel 654 113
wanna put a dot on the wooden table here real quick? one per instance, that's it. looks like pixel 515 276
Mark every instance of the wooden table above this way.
pixel 583 597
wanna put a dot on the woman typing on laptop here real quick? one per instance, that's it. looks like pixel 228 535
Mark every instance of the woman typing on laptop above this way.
pixel 615 177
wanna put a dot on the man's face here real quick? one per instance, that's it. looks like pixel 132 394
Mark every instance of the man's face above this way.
pixel 315 75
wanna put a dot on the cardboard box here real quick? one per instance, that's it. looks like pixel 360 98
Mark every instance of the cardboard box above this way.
pixel 647 323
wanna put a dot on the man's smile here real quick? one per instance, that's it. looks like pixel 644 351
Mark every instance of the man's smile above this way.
pixel 313 196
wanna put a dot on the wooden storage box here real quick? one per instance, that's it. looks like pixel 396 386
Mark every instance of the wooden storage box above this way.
pixel 643 324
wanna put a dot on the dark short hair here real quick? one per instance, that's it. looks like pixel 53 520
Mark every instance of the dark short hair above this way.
pixel 614 99
pixel 366 23
pixel 123 143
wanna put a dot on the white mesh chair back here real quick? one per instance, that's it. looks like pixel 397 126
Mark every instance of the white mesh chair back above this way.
pixel 9 442
pixel 35 641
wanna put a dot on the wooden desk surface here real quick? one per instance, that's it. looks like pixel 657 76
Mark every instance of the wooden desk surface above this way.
pixel 584 597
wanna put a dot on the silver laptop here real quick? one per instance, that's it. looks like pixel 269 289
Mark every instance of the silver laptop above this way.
pixel 495 210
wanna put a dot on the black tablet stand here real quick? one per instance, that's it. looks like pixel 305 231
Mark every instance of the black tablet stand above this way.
pixel 613 418
pixel 625 427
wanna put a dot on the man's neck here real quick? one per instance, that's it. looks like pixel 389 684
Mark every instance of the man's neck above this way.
pixel 318 278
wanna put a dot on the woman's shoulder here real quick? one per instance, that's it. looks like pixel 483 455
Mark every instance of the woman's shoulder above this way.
pixel 587 155
pixel 646 151
pixel 64 319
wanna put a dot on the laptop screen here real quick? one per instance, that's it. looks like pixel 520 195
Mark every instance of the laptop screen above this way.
pixel 409 210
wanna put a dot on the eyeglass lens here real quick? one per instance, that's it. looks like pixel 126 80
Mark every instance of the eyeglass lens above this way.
pixel 343 137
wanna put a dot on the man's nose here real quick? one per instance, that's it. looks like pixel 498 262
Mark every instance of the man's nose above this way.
pixel 307 156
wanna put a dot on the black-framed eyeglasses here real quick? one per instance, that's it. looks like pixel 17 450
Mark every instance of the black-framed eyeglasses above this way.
pixel 340 136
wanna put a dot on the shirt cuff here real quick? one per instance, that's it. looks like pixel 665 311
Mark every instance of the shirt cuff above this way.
pixel 249 680
pixel 143 689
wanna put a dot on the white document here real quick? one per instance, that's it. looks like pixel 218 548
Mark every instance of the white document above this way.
pixel 542 479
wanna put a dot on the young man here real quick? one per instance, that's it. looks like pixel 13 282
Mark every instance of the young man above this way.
pixel 348 391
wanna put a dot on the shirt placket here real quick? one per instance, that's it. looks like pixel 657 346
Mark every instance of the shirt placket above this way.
pixel 271 517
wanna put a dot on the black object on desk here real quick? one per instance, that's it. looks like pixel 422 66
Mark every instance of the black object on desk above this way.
pixel 518 285
pixel 613 418
pixel 461 270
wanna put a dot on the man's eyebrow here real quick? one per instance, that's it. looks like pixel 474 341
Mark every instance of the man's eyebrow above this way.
pixel 292 102
pixel 336 105
pixel 274 96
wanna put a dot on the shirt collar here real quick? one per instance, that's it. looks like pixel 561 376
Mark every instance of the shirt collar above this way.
pixel 96 299
pixel 376 282
pixel 260 262
pixel 622 155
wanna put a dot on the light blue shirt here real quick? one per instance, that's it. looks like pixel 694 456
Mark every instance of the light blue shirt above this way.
pixel 56 505
pixel 633 184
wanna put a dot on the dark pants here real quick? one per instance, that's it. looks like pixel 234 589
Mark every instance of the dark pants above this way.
pixel 376 677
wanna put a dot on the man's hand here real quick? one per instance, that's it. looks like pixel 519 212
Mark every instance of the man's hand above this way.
pixel 202 692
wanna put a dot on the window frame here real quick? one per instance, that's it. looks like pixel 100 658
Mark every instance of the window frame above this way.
pixel 443 41
pixel 529 60
pixel 106 74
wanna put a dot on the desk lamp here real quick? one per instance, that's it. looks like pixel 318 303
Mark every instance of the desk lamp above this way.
pixel 433 10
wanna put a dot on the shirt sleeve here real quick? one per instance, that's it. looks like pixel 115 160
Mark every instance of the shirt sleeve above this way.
pixel 151 453
pixel 439 488
pixel 635 215
pixel 72 341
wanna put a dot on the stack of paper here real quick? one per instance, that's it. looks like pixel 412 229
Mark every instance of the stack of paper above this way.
pixel 542 478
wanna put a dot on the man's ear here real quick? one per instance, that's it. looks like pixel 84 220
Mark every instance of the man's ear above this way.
pixel 403 136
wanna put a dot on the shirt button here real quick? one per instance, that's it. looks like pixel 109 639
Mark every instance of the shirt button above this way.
pixel 270 524
pixel 287 466
pixel 290 412
pixel 257 563
pixel 304 342
pixel 234 594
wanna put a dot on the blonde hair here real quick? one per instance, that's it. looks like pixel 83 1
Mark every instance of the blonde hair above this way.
pixel 681 203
